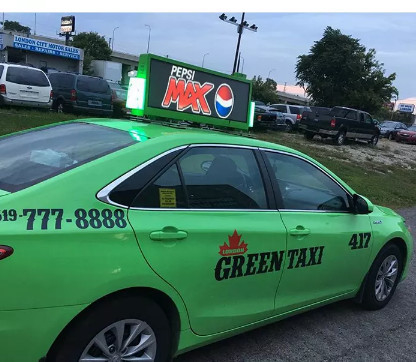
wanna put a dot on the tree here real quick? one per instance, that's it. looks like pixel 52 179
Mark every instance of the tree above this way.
pixel 15 26
pixel 95 47
pixel 264 91
pixel 338 71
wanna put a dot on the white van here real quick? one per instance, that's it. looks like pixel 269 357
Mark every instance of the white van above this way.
pixel 24 86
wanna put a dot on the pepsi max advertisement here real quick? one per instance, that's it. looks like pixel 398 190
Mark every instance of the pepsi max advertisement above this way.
pixel 183 88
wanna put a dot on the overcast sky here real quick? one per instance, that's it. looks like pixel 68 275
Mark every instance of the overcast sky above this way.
pixel 280 39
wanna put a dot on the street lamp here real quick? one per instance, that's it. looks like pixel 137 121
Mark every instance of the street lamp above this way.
pixel 148 39
pixel 243 25
pixel 203 59
pixel 112 42
pixel 271 70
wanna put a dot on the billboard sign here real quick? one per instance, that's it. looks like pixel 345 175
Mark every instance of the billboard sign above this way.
pixel 45 47
pixel 67 24
pixel 176 90
pixel 406 108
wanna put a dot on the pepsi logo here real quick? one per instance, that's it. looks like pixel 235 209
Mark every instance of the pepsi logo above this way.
pixel 224 100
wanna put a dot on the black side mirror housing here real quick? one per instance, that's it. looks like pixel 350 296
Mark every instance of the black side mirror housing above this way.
pixel 361 205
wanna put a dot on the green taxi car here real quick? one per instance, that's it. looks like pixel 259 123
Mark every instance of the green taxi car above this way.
pixel 130 241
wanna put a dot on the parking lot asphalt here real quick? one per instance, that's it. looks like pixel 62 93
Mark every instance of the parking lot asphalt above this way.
pixel 338 332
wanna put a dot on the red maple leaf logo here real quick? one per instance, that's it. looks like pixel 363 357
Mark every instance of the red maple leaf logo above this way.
pixel 234 247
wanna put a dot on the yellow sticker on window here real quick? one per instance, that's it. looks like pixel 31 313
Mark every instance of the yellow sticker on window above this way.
pixel 167 197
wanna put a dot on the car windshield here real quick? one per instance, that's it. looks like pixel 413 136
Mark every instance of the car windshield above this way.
pixel 31 157
pixel 412 128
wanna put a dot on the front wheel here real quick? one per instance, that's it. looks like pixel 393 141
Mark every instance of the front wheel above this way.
pixel 383 278
pixel 125 329
pixel 390 136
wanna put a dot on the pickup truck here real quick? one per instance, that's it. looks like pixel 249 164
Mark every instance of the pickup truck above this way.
pixel 292 114
pixel 340 123
pixel 268 118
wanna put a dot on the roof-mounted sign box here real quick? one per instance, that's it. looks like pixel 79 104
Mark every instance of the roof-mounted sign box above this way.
pixel 167 88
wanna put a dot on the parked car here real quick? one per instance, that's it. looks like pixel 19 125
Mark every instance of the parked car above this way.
pixel 119 94
pixel 291 113
pixel 131 241
pixel 24 86
pixel 268 118
pixel 81 94
pixel 389 129
pixel 259 103
pixel 407 136
pixel 340 124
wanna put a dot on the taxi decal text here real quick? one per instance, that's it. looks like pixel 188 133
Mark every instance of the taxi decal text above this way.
pixel 233 264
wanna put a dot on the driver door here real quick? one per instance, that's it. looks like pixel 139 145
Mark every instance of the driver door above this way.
pixel 328 246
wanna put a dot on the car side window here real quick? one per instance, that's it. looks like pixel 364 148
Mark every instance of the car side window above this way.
pixel 165 192
pixel 351 115
pixel 125 192
pixel 222 178
pixel 280 108
pixel 368 119
pixel 305 187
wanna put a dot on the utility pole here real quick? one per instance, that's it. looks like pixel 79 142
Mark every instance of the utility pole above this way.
pixel 34 32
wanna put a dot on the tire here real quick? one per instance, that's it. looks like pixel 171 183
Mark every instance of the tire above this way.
pixel 309 135
pixel 374 298
pixel 122 314
pixel 339 139
pixel 374 140
pixel 59 106
pixel 390 137
pixel 289 126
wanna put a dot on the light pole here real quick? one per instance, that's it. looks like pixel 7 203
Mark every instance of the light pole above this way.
pixel 242 67
pixel 394 105
pixel 203 59
pixel 243 25
pixel 148 39
pixel 271 70
pixel 112 40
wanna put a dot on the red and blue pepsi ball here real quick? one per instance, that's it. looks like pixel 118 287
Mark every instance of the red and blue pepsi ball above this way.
pixel 224 101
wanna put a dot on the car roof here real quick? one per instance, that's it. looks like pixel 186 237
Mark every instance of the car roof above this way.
pixel 184 135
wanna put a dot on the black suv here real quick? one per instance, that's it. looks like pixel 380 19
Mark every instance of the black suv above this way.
pixel 81 93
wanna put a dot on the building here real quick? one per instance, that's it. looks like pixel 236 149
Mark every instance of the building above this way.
pixel 40 52
pixel 292 94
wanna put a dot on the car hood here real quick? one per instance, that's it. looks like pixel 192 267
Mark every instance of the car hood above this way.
pixel 407 132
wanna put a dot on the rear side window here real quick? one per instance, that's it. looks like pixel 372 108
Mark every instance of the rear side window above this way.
pixel 1 70
pixel 280 108
pixel 29 158
pixel 62 80
pixel 27 76
pixel 295 110
pixel 93 85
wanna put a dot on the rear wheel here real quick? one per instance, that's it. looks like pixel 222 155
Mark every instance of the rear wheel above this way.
pixel 374 140
pixel 289 126
pixel 339 139
pixel 390 136
pixel 383 277
pixel 125 329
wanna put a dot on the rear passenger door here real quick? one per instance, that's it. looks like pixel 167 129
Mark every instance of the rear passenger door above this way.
pixel 208 226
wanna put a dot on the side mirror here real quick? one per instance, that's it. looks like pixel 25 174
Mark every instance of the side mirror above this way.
pixel 362 205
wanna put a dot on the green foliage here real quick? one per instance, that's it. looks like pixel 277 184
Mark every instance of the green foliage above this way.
pixel 15 26
pixel 264 91
pixel 338 71
pixel 95 47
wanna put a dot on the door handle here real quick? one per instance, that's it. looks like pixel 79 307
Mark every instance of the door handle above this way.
pixel 162 235
pixel 299 231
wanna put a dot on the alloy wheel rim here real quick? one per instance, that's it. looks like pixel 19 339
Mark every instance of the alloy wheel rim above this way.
pixel 386 277
pixel 124 340
pixel 341 139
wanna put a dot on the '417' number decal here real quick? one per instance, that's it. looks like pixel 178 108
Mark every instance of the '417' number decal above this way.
pixel 359 241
